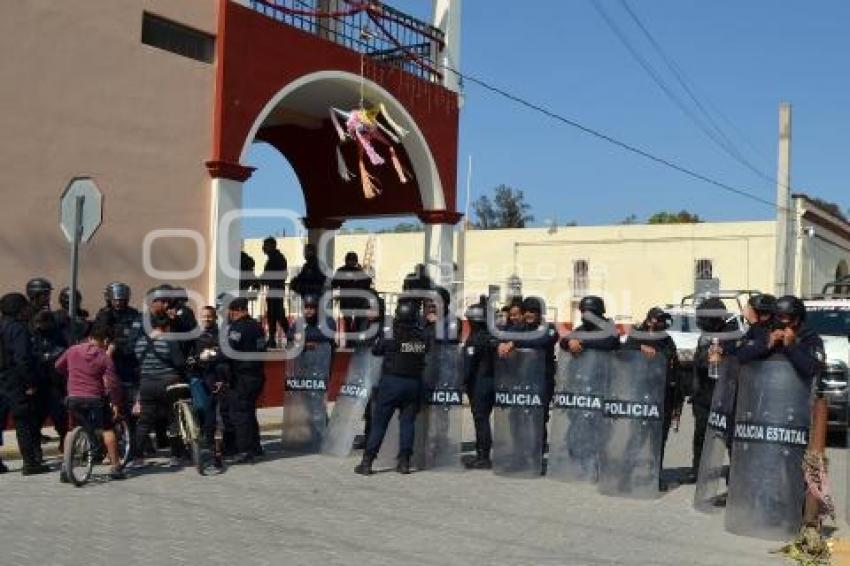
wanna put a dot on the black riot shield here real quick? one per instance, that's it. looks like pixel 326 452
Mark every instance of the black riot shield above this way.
pixel 304 407
pixel 364 370
pixel 630 460
pixel 442 408
pixel 717 447
pixel 766 485
pixel 575 424
pixel 518 413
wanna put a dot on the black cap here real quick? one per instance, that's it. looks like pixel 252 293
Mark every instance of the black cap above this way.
pixel 533 304
pixel 239 304
pixel 763 303
pixel 592 303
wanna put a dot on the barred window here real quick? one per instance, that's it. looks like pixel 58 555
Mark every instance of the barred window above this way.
pixel 704 269
pixel 177 38
pixel 580 271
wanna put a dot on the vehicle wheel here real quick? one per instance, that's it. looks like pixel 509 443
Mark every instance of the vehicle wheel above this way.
pixel 192 436
pixel 122 437
pixel 78 460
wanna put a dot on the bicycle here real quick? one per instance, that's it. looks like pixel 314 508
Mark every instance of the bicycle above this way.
pixel 84 448
pixel 188 428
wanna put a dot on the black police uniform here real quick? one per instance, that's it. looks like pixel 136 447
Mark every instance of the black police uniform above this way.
pixel 703 386
pixel 806 354
pixel 247 379
pixel 16 377
pixel 310 280
pixel 352 278
pixel 401 385
pixel 480 351
pixel 50 387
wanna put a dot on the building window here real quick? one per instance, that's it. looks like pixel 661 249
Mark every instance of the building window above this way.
pixel 580 270
pixel 177 38
pixel 704 269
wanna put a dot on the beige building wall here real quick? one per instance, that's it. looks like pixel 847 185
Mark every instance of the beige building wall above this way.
pixel 80 95
pixel 634 267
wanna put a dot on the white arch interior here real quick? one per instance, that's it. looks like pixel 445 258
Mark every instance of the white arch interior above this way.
pixel 307 100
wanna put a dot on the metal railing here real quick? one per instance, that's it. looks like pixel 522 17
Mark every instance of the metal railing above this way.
pixel 382 33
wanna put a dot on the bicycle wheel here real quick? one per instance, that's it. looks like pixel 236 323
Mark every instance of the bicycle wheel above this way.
pixel 78 460
pixel 191 435
pixel 124 440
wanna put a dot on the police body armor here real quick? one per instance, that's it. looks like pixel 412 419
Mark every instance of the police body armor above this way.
pixel 304 406
pixel 766 486
pixel 364 371
pixel 519 413
pixel 630 460
pixel 577 418
pixel 717 447
pixel 440 423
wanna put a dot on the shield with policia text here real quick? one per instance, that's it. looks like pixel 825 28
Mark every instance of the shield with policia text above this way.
pixel 364 370
pixel 717 447
pixel 304 402
pixel 766 485
pixel 575 423
pixel 630 460
pixel 443 407
pixel 518 413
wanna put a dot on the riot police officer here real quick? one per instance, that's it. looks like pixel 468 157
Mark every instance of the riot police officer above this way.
pixel 245 336
pixel 652 339
pixel 38 293
pixel 182 316
pixel 81 324
pixel 719 337
pixel 790 336
pixel 50 391
pixel 760 313
pixel 401 385
pixel 306 330
pixel 479 357
pixel 17 378
pixel 125 323
pixel 595 331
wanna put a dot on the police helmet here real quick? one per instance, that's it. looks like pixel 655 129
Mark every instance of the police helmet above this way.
pixel 13 304
pixel 763 303
pixel 533 304
pixel 593 304
pixel 711 314
pixel 117 291
pixel 179 295
pixel 37 286
pixel 65 298
pixel 660 315
pixel 162 292
pixel 792 306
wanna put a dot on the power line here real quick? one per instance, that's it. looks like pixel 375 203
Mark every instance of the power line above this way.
pixel 689 87
pixel 720 139
pixel 612 140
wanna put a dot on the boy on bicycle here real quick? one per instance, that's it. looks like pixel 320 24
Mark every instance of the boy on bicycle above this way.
pixel 94 394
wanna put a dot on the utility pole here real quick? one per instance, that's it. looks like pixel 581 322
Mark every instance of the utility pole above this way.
pixel 784 242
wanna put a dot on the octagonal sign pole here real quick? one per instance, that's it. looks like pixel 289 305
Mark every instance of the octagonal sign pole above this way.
pixel 81 213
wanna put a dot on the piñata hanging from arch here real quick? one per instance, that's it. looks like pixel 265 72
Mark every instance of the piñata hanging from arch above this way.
pixel 364 127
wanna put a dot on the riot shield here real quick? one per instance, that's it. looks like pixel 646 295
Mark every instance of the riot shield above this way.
pixel 717 447
pixel 575 424
pixel 388 454
pixel 441 414
pixel 630 460
pixel 304 410
pixel 766 486
pixel 518 413
pixel 364 370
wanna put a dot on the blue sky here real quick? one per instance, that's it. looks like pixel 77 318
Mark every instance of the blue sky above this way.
pixel 743 58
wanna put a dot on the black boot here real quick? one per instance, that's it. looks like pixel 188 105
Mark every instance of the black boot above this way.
pixel 403 466
pixel 481 461
pixel 364 468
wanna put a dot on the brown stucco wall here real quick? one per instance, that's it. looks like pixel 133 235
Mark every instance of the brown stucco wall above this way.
pixel 81 95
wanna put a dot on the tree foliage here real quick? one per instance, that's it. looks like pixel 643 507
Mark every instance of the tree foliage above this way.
pixel 830 207
pixel 507 209
pixel 681 217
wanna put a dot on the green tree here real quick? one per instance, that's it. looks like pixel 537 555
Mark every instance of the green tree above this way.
pixel 830 207
pixel 681 217
pixel 630 219
pixel 507 209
